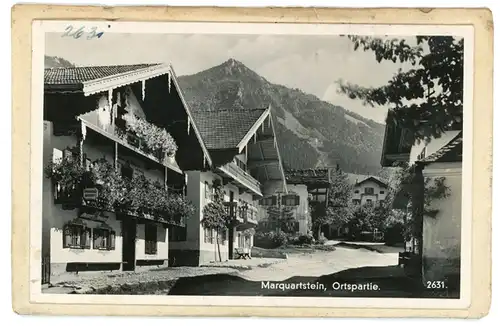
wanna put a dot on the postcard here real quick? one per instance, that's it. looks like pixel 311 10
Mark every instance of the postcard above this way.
pixel 336 167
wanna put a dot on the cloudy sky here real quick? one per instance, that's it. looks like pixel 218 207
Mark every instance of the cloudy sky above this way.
pixel 310 63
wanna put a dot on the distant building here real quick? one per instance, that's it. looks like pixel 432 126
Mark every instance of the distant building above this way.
pixel 305 187
pixel 369 190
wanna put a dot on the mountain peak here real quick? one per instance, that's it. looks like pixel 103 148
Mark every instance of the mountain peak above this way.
pixel 233 62
pixel 233 66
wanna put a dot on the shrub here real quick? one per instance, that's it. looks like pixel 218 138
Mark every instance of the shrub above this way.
pixel 293 239
pixel 321 240
pixel 270 240
pixel 306 239
pixel 394 234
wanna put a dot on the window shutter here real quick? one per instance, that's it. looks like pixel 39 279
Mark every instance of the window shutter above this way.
pixel 97 239
pixel 86 238
pixel 66 236
pixel 112 237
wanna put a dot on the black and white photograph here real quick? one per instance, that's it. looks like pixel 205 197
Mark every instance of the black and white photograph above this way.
pixel 223 161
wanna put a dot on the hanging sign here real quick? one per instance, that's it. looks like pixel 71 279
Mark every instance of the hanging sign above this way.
pixel 90 193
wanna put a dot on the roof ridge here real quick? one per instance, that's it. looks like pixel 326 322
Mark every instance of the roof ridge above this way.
pixel 101 66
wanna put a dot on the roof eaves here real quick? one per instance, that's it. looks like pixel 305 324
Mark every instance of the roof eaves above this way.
pixel 452 144
pixel 282 170
pixel 126 78
pixel 244 141
pixel 190 115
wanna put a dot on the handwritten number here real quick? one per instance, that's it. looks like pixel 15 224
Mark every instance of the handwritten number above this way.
pixel 68 32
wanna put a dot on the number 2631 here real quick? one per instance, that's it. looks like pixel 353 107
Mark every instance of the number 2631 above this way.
pixel 435 285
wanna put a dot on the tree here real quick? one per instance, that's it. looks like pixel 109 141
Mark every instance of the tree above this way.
pixel 425 100
pixel 336 209
pixel 215 215
pixel 281 217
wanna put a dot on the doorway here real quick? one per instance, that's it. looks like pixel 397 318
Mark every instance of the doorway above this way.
pixel 129 229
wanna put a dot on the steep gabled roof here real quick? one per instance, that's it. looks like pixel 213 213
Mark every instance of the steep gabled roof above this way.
pixel 96 79
pixel 226 129
pixel 371 178
pixel 79 75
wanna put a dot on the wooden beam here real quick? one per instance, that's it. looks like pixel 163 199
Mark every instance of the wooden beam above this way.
pixel 262 138
pixel 115 155
pixel 262 156
pixel 260 163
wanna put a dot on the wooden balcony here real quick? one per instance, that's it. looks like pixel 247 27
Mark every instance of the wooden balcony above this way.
pixel 133 143
pixel 232 210
pixel 96 208
pixel 235 171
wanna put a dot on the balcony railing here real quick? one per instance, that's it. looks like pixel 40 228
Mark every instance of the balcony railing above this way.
pixel 242 213
pixel 232 209
pixel 73 197
pixel 137 143
pixel 242 176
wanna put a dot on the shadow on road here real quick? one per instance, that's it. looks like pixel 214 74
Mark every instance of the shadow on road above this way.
pixel 376 282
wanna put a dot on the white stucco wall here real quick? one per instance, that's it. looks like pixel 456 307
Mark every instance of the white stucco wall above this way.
pixel 162 244
pixel 442 234
pixel 301 212
pixel 54 217
pixel 377 196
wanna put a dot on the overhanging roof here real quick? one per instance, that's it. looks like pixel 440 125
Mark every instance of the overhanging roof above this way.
pixel 451 152
pixel 96 79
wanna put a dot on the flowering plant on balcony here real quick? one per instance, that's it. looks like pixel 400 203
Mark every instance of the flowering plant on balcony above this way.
pixel 65 172
pixel 112 187
pixel 155 138
pixel 138 196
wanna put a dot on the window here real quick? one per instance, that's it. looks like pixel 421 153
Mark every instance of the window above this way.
pixel 382 192
pixel 356 191
pixel 104 239
pixel 76 236
pixel 369 191
pixel 177 233
pixel 127 172
pixel 268 201
pixel 369 201
pixel 208 190
pixel 150 237
pixel 356 201
pixel 208 235
pixel 224 234
pixel 290 200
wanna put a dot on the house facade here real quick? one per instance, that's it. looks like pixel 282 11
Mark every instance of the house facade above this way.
pixel 311 187
pixel 245 161
pixel 440 158
pixel 369 190
pixel 101 168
